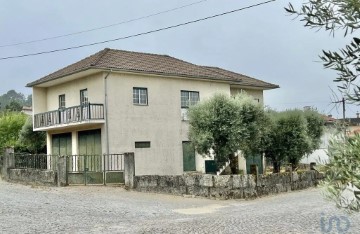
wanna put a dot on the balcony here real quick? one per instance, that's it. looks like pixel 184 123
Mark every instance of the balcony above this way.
pixel 69 116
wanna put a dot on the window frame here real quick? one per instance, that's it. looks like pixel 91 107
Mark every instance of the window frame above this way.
pixel 188 98
pixel 62 101
pixel 84 102
pixel 142 144
pixel 138 94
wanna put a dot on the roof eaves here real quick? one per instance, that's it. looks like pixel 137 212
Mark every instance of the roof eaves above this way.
pixel 37 82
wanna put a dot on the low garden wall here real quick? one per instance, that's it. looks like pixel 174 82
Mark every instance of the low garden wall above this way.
pixel 28 175
pixel 227 186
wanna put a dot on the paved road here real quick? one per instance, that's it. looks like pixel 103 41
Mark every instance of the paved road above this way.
pixel 27 209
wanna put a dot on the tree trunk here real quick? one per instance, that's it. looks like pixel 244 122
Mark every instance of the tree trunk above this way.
pixel 276 167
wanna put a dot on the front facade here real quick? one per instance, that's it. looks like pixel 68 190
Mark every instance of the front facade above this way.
pixel 123 101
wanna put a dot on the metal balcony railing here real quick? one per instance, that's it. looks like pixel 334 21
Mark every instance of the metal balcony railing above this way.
pixel 68 115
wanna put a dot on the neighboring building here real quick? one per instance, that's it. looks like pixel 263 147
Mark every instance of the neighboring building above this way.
pixel 119 101
pixel 353 125
pixel 27 110
pixel 320 156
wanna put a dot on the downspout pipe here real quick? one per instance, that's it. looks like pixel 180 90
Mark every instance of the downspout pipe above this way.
pixel 106 112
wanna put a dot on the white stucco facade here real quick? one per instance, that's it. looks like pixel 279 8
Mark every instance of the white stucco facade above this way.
pixel 159 122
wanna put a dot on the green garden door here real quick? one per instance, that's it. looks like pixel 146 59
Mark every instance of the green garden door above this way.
pixel 61 144
pixel 90 142
pixel 188 156
pixel 90 152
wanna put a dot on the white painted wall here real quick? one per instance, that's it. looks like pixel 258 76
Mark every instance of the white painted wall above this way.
pixel 39 100
pixel 158 122
pixel 257 94
pixel 94 84
pixel 320 155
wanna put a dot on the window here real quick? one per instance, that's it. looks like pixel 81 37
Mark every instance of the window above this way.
pixel 62 101
pixel 140 96
pixel 142 144
pixel 189 98
pixel 84 100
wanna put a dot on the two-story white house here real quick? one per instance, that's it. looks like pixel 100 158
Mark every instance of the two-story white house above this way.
pixel 118 101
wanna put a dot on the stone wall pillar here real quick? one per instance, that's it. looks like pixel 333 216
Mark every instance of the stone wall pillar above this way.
pixel 61 171
pixel 129 170
pixel 8 162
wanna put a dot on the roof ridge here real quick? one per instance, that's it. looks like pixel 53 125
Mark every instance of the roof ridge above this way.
pixel 101 55
pixel 139 52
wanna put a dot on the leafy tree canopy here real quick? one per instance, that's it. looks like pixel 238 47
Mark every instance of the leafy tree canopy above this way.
pixel 13 106
pixel 344 15
pixel 33 142
pixel 12 98
pixel 222 125
pixel 292 134
pixel 10 126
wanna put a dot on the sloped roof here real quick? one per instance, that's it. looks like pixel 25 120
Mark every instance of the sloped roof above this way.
pixel 243 79
pixel 153 64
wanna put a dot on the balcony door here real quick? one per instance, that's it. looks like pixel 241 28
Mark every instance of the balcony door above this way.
pixel 84 104
pixel 62 112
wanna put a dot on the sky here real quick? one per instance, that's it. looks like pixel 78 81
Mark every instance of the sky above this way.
pixel 263 42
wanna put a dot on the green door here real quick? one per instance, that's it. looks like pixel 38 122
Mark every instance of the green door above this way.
pixel 188 156
pixel 90 151
pixel 61 144
pixel 254 160
pixel 90 142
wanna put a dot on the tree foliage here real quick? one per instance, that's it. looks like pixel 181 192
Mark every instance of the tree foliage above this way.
pixel 10 126
pixel 33 142
pixel 14 97
pixel 342 180
pixel 293 134
pixel 221 126
pixel 13 106
pixel 342 15
pixel 335 15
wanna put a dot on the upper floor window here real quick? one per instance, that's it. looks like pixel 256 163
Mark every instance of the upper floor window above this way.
pixel 62 101
pixel 189 98
pixel 84 100
pixel 140 96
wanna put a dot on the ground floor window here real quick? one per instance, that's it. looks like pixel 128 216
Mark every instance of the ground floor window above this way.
pixel 142 144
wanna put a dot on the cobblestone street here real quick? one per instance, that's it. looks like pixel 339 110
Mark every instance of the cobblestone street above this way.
pixel 27 209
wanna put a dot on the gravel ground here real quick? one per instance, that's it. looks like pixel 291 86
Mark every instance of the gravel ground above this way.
pixel 99 209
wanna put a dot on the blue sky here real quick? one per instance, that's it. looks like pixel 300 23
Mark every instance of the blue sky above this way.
pixel 262 42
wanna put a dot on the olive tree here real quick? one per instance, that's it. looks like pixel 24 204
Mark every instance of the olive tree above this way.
pixel 293 134
pixel 344 15
pixel 342 178
pixel 223 125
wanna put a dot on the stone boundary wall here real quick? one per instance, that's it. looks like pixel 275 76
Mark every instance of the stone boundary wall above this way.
pixel 43 177
pixel 227 186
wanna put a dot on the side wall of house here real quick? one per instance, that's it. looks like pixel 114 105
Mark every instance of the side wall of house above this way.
pixel 159 122
pixel 257 94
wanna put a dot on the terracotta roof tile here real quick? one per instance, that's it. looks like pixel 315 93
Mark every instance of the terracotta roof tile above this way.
pixel 242 79
pixel 150 63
